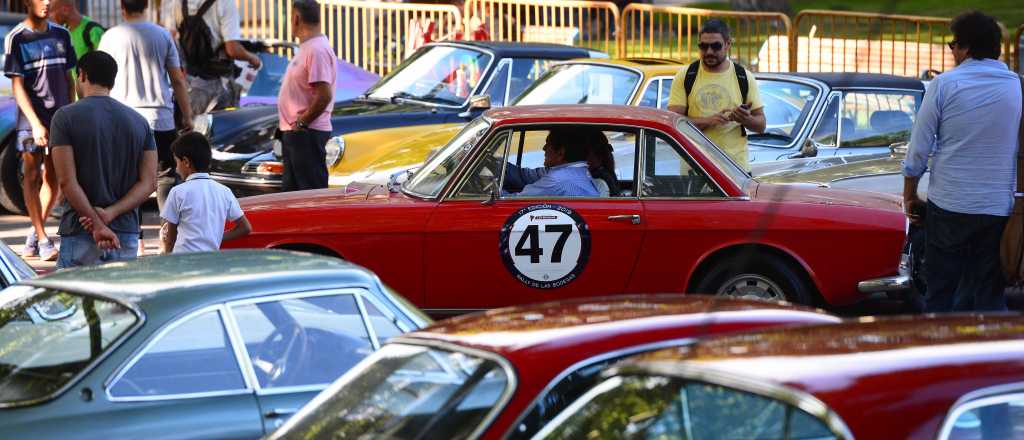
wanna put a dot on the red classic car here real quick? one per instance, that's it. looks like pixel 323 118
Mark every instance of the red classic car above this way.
pixel 506 372
pixel 687 219
pixel 933 377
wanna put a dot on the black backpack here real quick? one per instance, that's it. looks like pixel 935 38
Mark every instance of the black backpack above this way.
pixel 87 32
pixel 741 77
pixel 197 44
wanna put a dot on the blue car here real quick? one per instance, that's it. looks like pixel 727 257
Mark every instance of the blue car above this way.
pixel 209 345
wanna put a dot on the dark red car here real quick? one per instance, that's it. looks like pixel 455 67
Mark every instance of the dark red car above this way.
pixel 504 373
pixel 932 377
pixel 687 219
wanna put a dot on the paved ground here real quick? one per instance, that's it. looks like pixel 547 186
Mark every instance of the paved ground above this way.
pixel 14 227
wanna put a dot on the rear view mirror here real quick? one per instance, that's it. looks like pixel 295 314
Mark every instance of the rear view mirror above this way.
pixel 809 149
pixel 479 102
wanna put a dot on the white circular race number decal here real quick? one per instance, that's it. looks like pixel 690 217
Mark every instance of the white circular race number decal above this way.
pixel 545 246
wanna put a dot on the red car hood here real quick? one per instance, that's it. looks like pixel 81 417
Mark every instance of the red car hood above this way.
pixel 812 193
pixel 320 198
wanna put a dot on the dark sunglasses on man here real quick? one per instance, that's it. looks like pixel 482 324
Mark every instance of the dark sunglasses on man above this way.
pixel 953 44
pixel 716 46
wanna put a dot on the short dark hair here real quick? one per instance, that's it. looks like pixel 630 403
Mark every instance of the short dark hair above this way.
pixel 979 33
pixel 715 26
pixel 194 147
pixel 99 67
pixel 308 10
pixel 572 141
pixel 135 6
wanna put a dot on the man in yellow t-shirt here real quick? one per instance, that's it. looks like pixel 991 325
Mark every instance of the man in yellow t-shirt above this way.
pixel 714 102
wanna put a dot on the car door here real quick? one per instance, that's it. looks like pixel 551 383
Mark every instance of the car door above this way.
pixel 483 252
pixel 296 344
pixel 872 121
pixel 186 380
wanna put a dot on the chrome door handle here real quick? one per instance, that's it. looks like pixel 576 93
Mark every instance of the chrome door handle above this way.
pixel 632 218
pixel 281 412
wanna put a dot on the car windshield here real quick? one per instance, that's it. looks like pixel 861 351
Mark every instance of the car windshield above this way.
pixel 787 108
pixel 50 336
pixel 406 391
pixel 582 84
pixel 713 152
pixel 432 177
pixel 443 75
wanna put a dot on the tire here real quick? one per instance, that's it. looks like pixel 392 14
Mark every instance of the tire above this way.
pixel 767 278
pixel 11 197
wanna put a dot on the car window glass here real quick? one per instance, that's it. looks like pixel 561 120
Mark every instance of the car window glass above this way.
pixel 664 92
pixel 650 96
pixel 431 178
pixel 303 341
pixel 478 183
pixel 669 172
pixel 567 390
pixel 1003 418
pixel 828 126
pixel 524 72
pixel 611 159
pixel 646 407
pixel 787 108
pixel 48 337
pixel 499 82
pixel 383 326
pixel 436 74
pixel 582 84
pixel 193 357
pixel 875 119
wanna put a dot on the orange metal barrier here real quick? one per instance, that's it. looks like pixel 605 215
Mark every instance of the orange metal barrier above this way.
pixel 574 22
pixel 760 40
pixel 378 36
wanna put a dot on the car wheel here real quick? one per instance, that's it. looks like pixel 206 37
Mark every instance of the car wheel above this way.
pixel 767 279
pixel 11 197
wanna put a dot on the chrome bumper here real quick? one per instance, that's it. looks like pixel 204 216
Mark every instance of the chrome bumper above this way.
pixel 246 182
pixel 896 283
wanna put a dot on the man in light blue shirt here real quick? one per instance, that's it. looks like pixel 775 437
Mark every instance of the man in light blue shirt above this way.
pixel 565 172
pixel 968 125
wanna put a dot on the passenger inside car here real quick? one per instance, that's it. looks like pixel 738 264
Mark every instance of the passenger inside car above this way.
pixel 601 163
pixel 565 172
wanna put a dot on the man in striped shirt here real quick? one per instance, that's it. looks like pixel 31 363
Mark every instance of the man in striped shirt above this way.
pixel 39 60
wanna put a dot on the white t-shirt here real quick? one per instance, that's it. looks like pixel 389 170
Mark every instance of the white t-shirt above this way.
pixel 144 53
pixel 222 18
pixel 200 207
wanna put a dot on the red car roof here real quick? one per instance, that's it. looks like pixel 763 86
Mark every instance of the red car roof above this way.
pixel 590 113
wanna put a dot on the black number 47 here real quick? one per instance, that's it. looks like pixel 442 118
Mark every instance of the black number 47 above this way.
pixel 533 249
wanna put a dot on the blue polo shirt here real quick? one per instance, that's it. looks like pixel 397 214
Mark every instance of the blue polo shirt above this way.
pixel 42 59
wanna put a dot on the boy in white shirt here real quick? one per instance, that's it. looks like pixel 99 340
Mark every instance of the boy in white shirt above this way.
pixel 196 210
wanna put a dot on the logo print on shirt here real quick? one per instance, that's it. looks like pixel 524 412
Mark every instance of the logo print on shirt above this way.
pixel 713 98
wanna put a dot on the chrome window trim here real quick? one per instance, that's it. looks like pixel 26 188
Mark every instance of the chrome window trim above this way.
pixel 816 108
pixel 241 353
pixel 835 94
pixel 690 371
pixel 486 72
pixel 140 319
pixel 247 361
pixel 988 396
pixel 370 332
pixel 632 96
pixel 455 181
pixel 463 175
pixel 512 381
pixel 686 156
pixel 316 387
pixel 508 75
pixel 157 337
pixel 748 177
pixel 627 351
pixel 392 304
pixel 387 314
pixel 879 89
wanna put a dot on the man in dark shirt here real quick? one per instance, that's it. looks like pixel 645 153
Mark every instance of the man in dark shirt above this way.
pixel 105 157
pixel 39 59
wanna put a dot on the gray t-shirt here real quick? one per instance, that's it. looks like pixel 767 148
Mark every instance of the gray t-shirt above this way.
pixel 144 53
pixel 108 139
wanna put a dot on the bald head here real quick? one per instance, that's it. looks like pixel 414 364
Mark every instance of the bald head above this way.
pixel 64 11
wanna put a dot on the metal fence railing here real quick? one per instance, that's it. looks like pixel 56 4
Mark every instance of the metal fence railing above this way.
pixel 760 40
pixel 574 22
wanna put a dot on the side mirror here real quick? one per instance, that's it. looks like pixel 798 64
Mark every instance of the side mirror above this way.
pixel 477 103
pixel 898 149
pixel 809 149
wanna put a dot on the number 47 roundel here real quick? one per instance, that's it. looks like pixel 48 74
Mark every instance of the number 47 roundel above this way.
pixel 545 246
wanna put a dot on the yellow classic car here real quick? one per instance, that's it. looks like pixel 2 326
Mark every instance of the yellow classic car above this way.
pixel 373 156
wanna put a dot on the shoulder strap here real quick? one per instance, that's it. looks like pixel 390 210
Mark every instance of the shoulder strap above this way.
pixel 205 7
pixel 691 77
pixel 741 78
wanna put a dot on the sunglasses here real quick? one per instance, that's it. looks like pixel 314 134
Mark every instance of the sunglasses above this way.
pixel 716 46
pixel 952 44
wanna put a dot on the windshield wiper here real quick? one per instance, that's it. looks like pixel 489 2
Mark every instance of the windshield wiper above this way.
pixel 369 98
pixel 402 96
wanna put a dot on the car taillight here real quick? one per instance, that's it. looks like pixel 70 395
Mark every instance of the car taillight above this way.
pixel 270 168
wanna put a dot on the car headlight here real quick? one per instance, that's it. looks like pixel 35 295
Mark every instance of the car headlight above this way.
pixel 203 124
pixel 335 149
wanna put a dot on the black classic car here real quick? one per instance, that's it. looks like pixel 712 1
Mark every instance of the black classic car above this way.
pixel 441 82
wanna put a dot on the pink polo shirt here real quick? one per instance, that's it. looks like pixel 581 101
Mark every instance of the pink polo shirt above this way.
pixel 314 63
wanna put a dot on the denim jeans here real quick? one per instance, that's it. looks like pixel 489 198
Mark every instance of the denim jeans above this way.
pixel 962 266
pixel 81 250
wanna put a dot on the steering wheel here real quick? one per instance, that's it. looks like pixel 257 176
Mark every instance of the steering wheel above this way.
pixel 286 351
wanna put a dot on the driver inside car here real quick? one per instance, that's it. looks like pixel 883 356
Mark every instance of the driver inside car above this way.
pixel 565 172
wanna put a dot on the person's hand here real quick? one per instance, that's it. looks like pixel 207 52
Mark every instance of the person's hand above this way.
pixel 105 216
pixel 255 62
pixel 741 114
pixel 87 223
pixel 913 207
pixel 720 118
pixel 40 135
pixel 105 238
pixel 186 122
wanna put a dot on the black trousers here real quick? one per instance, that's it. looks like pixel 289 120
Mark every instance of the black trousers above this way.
pixel 304 159
pixel 166 176
pixel 962 268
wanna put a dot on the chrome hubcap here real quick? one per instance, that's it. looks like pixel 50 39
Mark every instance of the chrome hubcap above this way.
pixel 754 286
